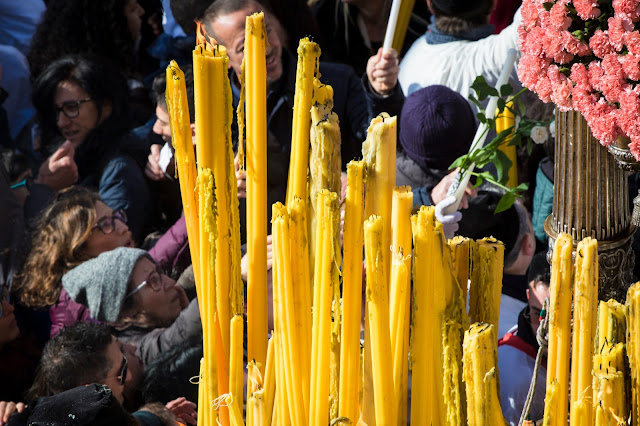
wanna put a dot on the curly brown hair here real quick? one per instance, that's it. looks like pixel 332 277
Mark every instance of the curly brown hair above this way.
pixel 57 247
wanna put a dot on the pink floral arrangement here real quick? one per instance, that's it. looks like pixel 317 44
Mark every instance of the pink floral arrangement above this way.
pixel 585 55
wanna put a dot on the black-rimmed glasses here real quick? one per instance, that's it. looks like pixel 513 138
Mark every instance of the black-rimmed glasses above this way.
pixel 24 182
pixel 107 224
pixel 70 108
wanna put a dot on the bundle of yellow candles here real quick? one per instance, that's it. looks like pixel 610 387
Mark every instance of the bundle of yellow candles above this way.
pixel 312 369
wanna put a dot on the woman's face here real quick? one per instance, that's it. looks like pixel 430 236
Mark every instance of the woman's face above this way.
pixel 99 241
pixel 9 330
pixel 76 113
pixel 159 297
pixel 133 12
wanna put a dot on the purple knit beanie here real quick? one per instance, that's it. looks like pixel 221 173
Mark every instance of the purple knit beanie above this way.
pixel 436 127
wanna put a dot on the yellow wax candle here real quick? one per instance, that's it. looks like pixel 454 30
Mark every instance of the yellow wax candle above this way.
pixel 326 277
pixel 505 121
pixel 439 321
pixel 235 412
pixel 202 396
pixel 281 408
pixel 351 293
pixel 285 312
pixel 558 358
pixel 481 376
pixel 235 361
pixel 486 281
pixel 178 109
pixel 301 292
pixel 256 110
pixel 404 16
pixel 633 349
pixel 609 387
pixel 400 285
pixel 378 312
pixel 612 323
pixel 379 154
pixel 461 249
pixel 585 305
pixel 269 381
pixel 308 54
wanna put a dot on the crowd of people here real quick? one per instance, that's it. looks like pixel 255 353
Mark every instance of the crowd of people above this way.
pixel 99 315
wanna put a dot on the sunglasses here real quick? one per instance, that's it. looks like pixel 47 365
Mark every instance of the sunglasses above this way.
pixel 107 224
pixel 124 368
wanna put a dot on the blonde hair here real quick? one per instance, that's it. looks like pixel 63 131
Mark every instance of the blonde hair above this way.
pixel 57 247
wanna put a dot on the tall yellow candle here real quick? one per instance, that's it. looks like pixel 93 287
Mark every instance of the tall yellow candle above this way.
pixel 378 312
pixel 585 305
pixel 379 154
pixel 503 122
pixel 558 358
pixel 351 293
pixel 609 385
pixel 308 54
pixel 481 376
pixel 178 109
pixel 633 348
pixel 486 281
pixel 285 312
pixel 461 249
pixel 269 381
pixel 301 292
pixel 404 16
pixel 326 277
pixel 612 323
pixel 256 110
pixel 400 285
pixel 236 372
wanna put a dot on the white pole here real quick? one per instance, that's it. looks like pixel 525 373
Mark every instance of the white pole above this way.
pixel 460 184
pixel 391 25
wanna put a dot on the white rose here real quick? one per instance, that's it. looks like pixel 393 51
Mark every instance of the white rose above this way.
pixel 539 134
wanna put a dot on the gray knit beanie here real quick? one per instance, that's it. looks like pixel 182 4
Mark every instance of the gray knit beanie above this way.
pixel 102 282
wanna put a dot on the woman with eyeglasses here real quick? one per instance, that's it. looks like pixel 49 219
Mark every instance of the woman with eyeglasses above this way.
pixel 84 117
pixel 78 226
pixel 126 289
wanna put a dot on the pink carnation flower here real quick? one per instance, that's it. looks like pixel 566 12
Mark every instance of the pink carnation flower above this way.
pixel 617 31
pixel 529 13
pixel 631 66
pixel 614 78
pixel 552 44
pixel 630 8
pixel 596 73
pixel 532 42
pixel 601 119
pixel 580 76
pixel 561 88
pixel 599 44
pixel 573 45
pixel 632 40
pixel 543 88
pixel 587 9
pixel 558 16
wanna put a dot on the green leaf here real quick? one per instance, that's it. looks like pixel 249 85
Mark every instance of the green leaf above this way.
pixel 502 104
pixel 506 90
pixel 503 164
pixel 522 187
pixel 529 146
pixel 522 108
pixel 505 202
pixel 475 101
pixel 479 181
pixel 481 117
pixel 458 162
pixel 482 89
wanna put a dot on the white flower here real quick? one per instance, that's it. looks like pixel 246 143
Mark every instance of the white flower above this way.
pixel 552 129
pixel 539 134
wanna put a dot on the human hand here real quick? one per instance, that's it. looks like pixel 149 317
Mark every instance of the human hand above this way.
pixel 449 221
pixel 59 171
pixel 382 71
pixel 244 262
pixel 7 408
pixel 183 409
pixel 241 178
pixel 153 170
pixel 439 192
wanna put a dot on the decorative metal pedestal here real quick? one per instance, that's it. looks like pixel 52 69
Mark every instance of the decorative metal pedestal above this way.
pixel 591 200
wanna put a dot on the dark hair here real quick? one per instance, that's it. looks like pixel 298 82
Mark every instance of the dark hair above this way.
pixel 15 162
pixel 460 16
pixel 186 12
pixel 76 356
pixel 225 7
pixel 539 269
pixel 104 83
pixel 82 26
pixel 160 88
pixel 167 378
pixel 164 415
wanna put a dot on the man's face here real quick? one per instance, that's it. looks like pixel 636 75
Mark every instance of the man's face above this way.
pixel 536 293
pixel 117 374
pixel 229 31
